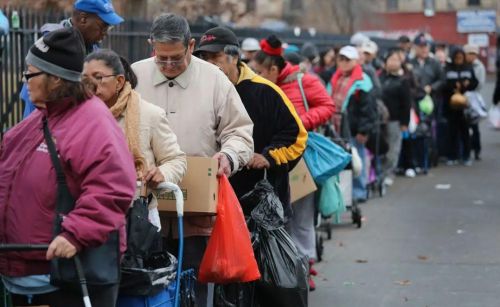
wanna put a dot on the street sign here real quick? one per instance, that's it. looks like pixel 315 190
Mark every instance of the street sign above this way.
pixel 476 21
pixel 481 39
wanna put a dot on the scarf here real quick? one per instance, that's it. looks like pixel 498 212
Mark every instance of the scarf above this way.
pixel 127 105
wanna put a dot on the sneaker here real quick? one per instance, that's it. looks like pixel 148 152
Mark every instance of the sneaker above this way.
pixel 477 157
pixel 410 173
pixel 388 181
pixel 468 163
pixel 451 162
pixel 312 284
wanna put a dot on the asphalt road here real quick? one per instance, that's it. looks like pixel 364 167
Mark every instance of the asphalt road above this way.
pixel 432 241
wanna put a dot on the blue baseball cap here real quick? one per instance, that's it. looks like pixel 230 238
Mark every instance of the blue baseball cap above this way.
pixel 102 8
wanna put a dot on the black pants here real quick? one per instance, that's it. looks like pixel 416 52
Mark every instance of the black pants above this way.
pixel 99 297
pixel 476 139
pixel 406 158
pixel 459 138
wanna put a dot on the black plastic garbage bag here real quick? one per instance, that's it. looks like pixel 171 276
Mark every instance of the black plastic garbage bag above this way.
pixel 146 268
pixel 149 281
pixel 143 237
pixel 283 270
pixel 264 206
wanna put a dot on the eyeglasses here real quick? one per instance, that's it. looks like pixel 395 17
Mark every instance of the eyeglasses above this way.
pixel 171 62
pixel 98 79
pixel 27 75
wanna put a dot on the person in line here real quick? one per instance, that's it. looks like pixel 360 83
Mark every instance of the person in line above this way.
pixel 405 44
pixel 352 92
pixel 327 64
pixel 460 78
pixel 397 98
pixel 270 64
pixel 249 48
pixel 153 144
pixel 429 75
pixel 471 57
pixel 278 134
pixel 98 168
pixel 204 111
pixel 93 18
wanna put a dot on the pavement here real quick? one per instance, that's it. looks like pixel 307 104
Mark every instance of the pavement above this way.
pixel 432 241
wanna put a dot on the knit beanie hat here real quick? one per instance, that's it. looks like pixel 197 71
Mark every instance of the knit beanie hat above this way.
pixel 59 53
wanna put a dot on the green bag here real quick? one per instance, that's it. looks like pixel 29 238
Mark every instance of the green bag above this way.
pixel 331 200
pixel 426 105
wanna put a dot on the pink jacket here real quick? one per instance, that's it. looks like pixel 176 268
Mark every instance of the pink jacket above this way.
pixel 321 106
pixel 99 171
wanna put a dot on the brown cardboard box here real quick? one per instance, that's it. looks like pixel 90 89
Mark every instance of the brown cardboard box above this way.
pixel 301 182
pixel 199 186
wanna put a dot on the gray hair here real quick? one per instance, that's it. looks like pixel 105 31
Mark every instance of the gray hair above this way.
pixel 170 28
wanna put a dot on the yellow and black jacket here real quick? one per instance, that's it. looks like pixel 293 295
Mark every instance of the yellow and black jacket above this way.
pixel 278 134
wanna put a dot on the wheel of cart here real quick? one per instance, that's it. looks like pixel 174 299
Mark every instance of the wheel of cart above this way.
pixel 172 296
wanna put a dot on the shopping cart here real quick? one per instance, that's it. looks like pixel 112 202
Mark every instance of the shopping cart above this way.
pixel 171 295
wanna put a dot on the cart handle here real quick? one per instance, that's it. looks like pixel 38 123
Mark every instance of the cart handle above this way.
pixel 23 247
pixel 179 196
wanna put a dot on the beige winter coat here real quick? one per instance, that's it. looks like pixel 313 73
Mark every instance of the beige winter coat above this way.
pixel 205 112
pixel 159 144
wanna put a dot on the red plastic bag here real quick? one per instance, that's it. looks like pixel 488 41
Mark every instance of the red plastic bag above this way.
pixel 229 255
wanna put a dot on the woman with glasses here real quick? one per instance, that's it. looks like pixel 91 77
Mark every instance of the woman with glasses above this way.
pixel 97 167
pixel 157 155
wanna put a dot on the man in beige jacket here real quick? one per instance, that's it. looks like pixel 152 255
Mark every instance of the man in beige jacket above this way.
pixel 205 112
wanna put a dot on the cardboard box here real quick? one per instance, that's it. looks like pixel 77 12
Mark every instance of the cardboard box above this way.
pixel 200 187
pixel 301 182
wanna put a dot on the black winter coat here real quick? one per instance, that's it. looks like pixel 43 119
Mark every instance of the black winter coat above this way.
pixel 396 95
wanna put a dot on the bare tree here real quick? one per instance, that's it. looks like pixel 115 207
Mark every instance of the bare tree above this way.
pixel 341 16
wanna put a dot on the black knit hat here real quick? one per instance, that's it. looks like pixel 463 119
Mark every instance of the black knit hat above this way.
pixel 59 53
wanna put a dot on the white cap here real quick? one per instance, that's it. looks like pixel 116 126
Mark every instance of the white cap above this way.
pixel 349 52
pixel 369 47
pixel 250 44
pixel 471 49
pixel 358 39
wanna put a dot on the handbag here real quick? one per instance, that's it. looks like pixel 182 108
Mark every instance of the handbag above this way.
pixel 323 157
pixel 101 264
pixel 458 101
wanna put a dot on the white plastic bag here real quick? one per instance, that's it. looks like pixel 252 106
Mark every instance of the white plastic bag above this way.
pixel 494 116
pixel 357 164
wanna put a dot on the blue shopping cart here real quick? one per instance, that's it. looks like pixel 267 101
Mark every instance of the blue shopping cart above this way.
pixel 171 295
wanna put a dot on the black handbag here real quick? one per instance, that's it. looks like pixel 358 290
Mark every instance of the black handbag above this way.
pixel 101 264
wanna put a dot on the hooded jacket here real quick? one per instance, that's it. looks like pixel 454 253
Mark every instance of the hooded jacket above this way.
pixel 278 134
pixel 99 171
pixel 359 104
pixel 321 106
pixel 396 95
pixel 462 74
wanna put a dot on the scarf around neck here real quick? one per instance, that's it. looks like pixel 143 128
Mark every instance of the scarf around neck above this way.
pixel 127 105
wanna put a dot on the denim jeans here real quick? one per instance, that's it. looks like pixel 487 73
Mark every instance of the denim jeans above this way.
pixel 359 190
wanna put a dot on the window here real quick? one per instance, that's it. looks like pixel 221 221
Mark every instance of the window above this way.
pixel 429 5
pixel 296 5
pixel 392 5
pixel 473 2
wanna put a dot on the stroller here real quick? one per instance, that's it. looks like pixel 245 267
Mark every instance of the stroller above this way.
pixel 172 296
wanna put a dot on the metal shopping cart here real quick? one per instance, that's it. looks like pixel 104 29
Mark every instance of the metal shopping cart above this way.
pixel 170 297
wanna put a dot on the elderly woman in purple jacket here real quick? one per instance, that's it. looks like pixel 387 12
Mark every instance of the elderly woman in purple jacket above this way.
pixel 97 164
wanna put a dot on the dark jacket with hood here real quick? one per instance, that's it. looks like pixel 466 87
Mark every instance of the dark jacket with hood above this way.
pixel 396 95
pixel 462 74
pixel 278 134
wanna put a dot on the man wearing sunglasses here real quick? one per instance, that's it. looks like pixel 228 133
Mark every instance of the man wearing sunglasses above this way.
pixel 205 112
pixel 93 18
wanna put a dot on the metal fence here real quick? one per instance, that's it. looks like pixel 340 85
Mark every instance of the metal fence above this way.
pixel 129 39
